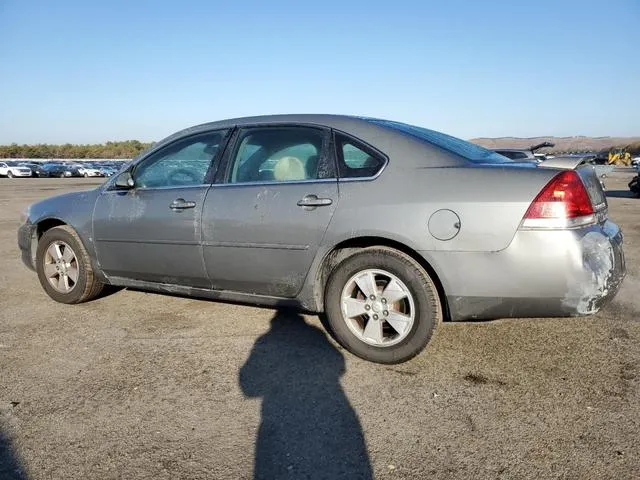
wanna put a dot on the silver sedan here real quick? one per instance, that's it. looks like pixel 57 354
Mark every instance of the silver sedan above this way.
pixel 388 228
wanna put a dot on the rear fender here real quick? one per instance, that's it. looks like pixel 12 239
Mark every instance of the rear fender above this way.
pixel 486 203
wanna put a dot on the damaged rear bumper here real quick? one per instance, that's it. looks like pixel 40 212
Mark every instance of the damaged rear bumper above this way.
pixel 541 274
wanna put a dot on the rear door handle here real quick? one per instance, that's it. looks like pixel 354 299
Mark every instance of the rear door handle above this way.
pixel 181 204
pixel 314 201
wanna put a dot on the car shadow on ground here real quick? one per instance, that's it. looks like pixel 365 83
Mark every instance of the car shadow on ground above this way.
pixel 308 427
pixel 620 194
pixel 10 466
pixel 109 290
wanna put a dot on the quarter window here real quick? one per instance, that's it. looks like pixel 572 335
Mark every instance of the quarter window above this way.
pixel 185 162
pixel 356 160
pixel 286 154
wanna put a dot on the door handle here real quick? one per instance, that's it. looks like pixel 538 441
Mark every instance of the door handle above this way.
pixel 181 204
pixel 314 201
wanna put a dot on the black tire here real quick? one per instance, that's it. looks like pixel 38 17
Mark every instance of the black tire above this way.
pixel 87 285
pixel 86 175
pixel 61 175
pixel 428 312
pixel 9 174
pixel 634 185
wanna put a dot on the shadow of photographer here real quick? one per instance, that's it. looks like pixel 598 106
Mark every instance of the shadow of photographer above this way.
pixel 308 428
pixel 10 466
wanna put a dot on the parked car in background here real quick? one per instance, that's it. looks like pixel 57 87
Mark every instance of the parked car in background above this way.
pixel 39 170
pixel 30 165
pixel 57 170
pixel 525 154
pixel 108 170
pixel 364 219
pixel 11 169
pixel 520 155
pixel 88 170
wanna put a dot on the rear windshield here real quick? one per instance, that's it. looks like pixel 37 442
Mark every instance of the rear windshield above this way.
pixel 473 153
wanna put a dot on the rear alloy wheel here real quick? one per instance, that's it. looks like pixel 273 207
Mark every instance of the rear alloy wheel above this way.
pixel 64 267
pixel 382 305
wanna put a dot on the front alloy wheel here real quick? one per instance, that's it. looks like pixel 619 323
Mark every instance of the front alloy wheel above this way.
pixel 64 267
pixel 61 267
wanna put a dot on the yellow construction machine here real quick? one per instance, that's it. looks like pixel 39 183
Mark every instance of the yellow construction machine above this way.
pixel 619 157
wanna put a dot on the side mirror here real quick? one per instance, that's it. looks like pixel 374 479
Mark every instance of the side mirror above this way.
pixel 125 180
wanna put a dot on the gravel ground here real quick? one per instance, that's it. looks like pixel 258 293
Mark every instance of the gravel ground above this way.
pixel 139 385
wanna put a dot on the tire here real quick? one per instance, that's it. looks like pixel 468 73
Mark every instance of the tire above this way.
pixel 86 286
pixel 421 304
pixel 10 174
pixel 634 185
pixel 86 175
pixel 61 175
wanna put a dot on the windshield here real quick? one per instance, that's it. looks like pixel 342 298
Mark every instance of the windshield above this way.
pixel 473 153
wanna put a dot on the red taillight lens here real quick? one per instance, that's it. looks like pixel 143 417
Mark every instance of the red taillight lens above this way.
pixel 563 197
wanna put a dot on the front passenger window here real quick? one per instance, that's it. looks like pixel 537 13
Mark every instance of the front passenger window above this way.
pixel 183 163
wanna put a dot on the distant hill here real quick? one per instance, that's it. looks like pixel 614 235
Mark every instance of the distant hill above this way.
pixel 563 144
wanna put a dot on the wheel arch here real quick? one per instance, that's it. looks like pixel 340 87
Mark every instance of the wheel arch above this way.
pixel 348 247
pixel 47 224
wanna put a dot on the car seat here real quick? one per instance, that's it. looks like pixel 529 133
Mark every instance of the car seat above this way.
pixel 288 169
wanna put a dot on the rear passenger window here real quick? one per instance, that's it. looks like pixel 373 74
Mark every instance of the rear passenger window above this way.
pixel 280 154
pixel 356 160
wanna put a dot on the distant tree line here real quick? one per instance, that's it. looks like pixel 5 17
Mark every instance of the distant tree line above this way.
pixel 131 148
pixel 124 149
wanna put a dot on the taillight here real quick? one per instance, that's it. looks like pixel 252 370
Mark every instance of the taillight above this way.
pixel 562 203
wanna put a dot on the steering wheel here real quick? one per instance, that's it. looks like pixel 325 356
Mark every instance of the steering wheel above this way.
pixel 183 176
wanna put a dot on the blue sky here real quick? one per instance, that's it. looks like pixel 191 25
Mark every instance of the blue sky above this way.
pixel 83 71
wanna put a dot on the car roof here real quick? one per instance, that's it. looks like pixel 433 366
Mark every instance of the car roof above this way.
pixel 328 120
pixel 345 123
pixel 389 141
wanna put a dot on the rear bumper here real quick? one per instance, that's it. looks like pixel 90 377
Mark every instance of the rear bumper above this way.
pixel 27 241
pixel 541 274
